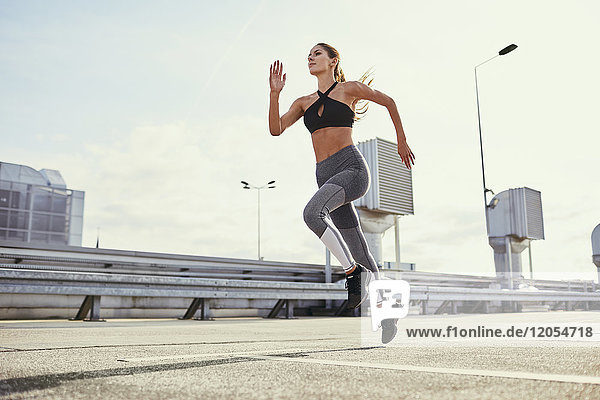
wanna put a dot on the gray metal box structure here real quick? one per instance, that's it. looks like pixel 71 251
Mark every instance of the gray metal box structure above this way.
pixel 518 213
pixel 596 248
pixel 391 189
pixel 36 206
pixel 596 241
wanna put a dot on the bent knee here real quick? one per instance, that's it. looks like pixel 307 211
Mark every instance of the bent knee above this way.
pixel 311 213
pixel 314 217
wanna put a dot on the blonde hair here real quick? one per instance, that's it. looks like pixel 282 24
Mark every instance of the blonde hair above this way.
pixel 362 105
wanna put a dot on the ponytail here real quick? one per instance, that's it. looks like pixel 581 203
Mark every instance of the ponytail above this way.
pixel 338 74
pixel 363 105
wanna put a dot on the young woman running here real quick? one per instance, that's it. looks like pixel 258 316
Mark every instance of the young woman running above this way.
pixel 341 170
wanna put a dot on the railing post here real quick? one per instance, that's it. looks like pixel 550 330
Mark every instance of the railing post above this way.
pixel 95 311
pixel 90 304
pixel 191 309
pixel 205 310
pixel 275 310
pixel 328 277
pixel 289 309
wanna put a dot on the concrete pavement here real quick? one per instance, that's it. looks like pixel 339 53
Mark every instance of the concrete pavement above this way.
pixel 313 357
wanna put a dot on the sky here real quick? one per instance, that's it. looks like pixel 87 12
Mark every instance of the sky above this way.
pixel 157 110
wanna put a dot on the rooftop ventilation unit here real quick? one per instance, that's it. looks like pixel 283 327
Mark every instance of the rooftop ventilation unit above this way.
pixel 596 248
pixel 389 196
pixel 391 189
pixel 514 219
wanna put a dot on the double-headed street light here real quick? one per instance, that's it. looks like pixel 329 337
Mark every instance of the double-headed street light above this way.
pixel 502 52
pixel 267 186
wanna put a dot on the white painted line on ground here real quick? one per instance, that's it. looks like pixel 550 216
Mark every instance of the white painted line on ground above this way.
pixel 594 380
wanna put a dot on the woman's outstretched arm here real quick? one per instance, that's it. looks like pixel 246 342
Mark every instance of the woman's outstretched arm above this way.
pixel 363 92
pixel 277 81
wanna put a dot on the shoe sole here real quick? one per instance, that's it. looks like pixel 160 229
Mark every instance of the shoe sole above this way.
pixel 386 326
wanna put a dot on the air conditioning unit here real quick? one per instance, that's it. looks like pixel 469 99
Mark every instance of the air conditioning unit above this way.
pixel 389 196
pixel 596 248
pixel 391 190
pixel 514 219
pixel 518 213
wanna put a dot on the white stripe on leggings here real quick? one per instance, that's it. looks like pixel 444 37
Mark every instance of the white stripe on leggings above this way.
pixel 335 243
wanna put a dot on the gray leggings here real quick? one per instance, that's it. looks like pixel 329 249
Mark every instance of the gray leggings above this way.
pixel 342 177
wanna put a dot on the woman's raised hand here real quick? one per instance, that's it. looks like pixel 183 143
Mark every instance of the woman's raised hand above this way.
pixel 276 79
pixel 406 154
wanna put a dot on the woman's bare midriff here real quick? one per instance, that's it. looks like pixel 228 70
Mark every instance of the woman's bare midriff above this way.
pixel 327 141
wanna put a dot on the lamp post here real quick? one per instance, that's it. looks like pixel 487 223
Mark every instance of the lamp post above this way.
pixel 502 52
pixel 249 186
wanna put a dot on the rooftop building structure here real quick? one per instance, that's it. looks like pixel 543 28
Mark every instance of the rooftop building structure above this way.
pixel 36 206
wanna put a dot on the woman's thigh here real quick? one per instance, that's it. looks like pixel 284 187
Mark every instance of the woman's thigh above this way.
pixel 355 182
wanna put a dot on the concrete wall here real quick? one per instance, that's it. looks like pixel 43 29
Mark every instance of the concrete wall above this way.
pixel 27 306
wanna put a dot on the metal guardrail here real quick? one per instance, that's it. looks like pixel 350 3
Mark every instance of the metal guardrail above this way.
pixel 454 294
pixel 241 275
pixel 83 259
pixel 108 272
pixel 95 285
pixel 514 298
pixel 55 282
pixel 455 280
pixel 568 285
pixel 76 259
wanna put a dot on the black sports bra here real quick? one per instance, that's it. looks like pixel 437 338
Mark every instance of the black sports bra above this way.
pixel 335 113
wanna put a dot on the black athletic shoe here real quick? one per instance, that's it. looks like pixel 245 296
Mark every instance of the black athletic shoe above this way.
pixel 388 330
pixel 358 293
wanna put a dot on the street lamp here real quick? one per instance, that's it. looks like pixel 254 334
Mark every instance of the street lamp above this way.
pixel 267 186
pixel 502 52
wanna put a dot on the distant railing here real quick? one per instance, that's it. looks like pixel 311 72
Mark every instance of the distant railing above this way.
pixel 85 259
pixel 48 269
pixel 95 285
pixel 80 259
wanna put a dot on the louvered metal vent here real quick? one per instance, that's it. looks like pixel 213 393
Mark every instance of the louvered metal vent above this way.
pixel 391 182
pixel 517 212
pixel 535 221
